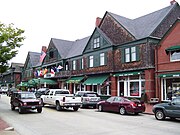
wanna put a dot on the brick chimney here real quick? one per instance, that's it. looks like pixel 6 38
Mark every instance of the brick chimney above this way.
pixel 173 2
pixel 44 49
pixel 98 21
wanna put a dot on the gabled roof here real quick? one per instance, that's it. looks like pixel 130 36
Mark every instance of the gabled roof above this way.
pixel 63 46
pixel 78 47
pixel 34 58
pixel 144 26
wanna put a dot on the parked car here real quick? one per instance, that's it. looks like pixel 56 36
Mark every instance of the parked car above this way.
pixel 88 98
pixel 25 101
pixel 170 109
pixel 121 105
pixel 4 90
pixel 41 91
pixel 61 99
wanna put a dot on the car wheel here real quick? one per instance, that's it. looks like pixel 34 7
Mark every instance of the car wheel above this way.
pixel 122 110
pixel 58 107
pixel 159 115
pixel 20 110
pixel 12 107
pixel 39 110
pixel 75 108
pixel 100 108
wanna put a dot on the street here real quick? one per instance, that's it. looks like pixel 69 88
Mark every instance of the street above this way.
pixel 84 122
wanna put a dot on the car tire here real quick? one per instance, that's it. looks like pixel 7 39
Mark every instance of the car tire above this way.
pixel 12 107
pixel 20 110
pixel 100 108
pixel 75 108
pixel 39 110
pixel 159 115
pixel 58 107
pixel 122 110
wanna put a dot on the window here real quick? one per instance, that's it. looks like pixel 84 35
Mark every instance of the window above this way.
pixel 91 61
pixel 133 53
pixel 175 56
pixel 102 58
pixel 130 54
pixel 74 65
pixel 51 54
pixel 82 64
pixel 127 55
pixel 96 42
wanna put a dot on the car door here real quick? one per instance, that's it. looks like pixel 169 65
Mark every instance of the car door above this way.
pixel 46 97
pixel 108 104
pixel 115 104
pixel 176 107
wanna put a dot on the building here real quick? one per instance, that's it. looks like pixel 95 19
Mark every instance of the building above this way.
pixel 168 64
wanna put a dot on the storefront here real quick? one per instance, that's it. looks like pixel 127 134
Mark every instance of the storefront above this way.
pixel 130 84
pixel 170 85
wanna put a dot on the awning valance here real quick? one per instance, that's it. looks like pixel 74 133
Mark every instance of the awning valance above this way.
pixel 41 81
pixel 177 74
pixel 75 79
pixel 96 80
pixel 128 73
pixel 173 48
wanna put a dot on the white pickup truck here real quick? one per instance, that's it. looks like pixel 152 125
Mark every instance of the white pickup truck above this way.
pixel 61 98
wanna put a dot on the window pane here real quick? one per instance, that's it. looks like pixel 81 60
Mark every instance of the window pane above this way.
pixel 134 88
pixel 175 56
pixel 96 42
pixel 127 55
pixel 133 53
pixel 91 61
pixel 74 65
pixel 102 59
pixel 82 64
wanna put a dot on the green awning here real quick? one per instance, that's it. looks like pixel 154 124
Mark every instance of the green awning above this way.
pixel 96 80
pixel 25 84
pixel 128 73
pixel 41 81
pixel 75 79
pixel 173 48
pixel 177 74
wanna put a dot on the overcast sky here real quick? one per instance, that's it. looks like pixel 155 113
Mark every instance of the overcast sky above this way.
pixel 66 19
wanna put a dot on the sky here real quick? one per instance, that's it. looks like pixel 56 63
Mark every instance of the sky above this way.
pixel 65 19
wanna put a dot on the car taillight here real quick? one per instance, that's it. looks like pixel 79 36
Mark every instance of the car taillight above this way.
pixel 63 99
pixel 134 105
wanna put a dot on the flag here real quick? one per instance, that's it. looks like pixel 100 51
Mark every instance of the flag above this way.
pixel 59 67
pixel 43 54
pixel 45 71
pixel 52 71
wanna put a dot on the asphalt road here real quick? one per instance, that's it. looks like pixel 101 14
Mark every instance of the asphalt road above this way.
pixel 84 122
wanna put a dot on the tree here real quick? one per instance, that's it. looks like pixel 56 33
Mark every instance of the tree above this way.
pixel 10 39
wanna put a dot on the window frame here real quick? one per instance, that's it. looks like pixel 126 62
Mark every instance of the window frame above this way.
pixel 91 61
pixel 96 42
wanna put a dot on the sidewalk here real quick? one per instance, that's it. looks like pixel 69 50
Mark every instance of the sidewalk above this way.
pixel 5 129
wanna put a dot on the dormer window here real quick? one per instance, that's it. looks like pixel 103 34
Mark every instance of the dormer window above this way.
pixel 96 42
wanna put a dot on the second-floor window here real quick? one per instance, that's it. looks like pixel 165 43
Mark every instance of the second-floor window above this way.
pixel 175 56
pixel 82 64
pixel 102 59
pixel 74 65
pixel 96 42
pixel 91 61
pixel 130 54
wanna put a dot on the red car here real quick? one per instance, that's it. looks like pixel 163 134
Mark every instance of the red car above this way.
pixel 121 105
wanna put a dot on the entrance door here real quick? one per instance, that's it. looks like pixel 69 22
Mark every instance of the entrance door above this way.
pixel 121 89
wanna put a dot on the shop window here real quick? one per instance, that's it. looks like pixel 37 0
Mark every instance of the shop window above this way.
pixel 134 88
pixel 175 56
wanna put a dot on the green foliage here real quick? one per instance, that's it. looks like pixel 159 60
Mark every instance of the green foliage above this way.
pixel 10 39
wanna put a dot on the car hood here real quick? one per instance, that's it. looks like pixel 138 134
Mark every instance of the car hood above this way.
pixel 29 100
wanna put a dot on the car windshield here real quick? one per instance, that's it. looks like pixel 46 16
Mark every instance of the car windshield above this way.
pixel 28 96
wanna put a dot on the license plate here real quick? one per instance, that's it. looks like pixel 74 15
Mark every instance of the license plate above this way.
pixel 139 104
pixel 33 107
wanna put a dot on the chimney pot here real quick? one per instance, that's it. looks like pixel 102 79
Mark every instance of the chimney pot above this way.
pixel 98 21
pixel 173 2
